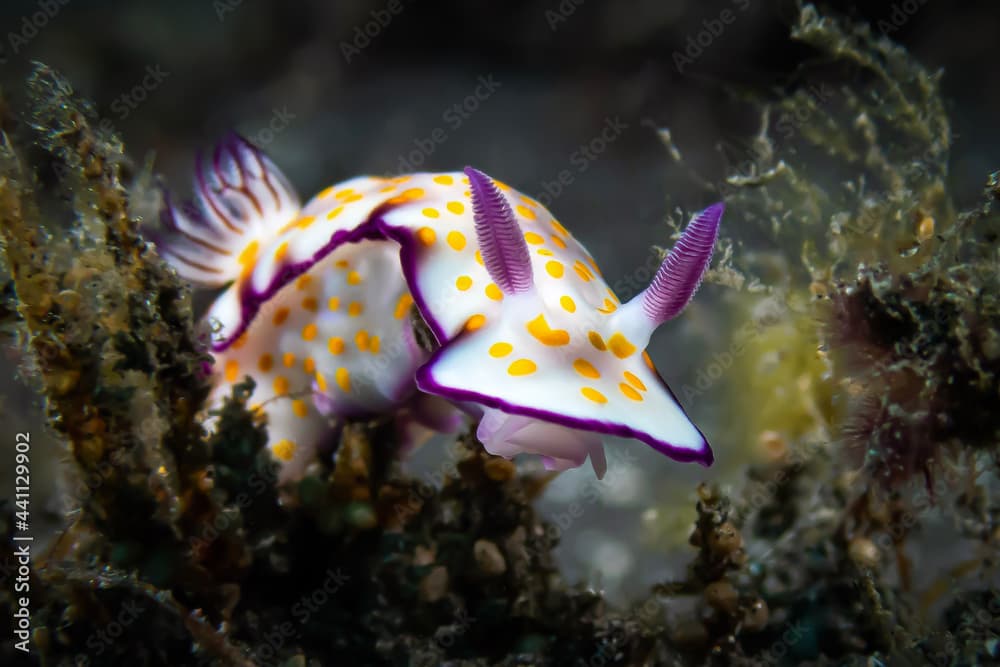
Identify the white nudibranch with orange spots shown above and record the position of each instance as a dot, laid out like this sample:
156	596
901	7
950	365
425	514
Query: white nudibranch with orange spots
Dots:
530	340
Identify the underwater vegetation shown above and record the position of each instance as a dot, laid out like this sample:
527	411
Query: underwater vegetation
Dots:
879	349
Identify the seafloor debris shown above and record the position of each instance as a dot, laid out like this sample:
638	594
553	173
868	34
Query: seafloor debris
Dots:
180	550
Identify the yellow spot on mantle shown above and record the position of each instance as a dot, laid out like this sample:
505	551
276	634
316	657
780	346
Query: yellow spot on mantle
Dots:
630	392
649	362
280	385
444	179
456	207
426	235
456	240
249	254
463	283
309	303
533	238
620	346
522	367
280	316
593	395
501	349
335	345
567	303
540	329
288	359
343	378
586	369
403	306
475	322
493	292
232	370
362	340
353	277
554	268
526	212
431	213
299	408
283	450
265	363
635	381
596	340
355	308
333	303
309	331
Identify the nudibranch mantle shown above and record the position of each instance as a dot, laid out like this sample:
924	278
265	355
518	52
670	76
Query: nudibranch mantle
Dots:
529	337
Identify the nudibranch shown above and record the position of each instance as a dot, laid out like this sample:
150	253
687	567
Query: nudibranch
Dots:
325	303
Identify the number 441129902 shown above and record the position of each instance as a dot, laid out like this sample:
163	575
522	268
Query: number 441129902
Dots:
22	479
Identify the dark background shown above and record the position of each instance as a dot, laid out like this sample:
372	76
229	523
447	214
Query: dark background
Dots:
278	72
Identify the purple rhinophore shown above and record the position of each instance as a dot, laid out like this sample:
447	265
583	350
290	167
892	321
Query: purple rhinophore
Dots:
681	272
501	243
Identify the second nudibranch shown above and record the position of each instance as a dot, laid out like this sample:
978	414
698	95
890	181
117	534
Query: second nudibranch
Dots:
326	301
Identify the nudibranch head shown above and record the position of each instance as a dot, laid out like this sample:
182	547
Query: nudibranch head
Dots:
565	360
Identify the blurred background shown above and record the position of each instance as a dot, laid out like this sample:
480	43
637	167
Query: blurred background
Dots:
559	98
